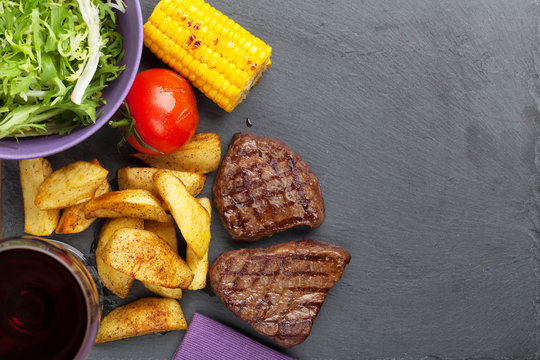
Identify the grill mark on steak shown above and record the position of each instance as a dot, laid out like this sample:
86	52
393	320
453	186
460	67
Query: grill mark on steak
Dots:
303	201
263	187
239	274
276	272
279	290
294	257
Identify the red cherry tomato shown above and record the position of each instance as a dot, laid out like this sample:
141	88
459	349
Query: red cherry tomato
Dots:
165	110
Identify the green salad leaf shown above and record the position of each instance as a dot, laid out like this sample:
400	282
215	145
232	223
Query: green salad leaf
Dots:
56	57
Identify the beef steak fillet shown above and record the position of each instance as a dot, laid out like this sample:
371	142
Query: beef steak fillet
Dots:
280	290
263	187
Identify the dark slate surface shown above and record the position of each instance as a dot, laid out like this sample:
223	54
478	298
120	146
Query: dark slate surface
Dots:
420	120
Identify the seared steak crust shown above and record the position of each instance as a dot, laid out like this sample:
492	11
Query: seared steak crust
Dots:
263	187
279	290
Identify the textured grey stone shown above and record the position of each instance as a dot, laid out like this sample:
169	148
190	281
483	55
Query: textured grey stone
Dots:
420	120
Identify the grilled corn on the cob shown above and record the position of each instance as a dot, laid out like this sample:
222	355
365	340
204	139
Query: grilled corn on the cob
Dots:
219	57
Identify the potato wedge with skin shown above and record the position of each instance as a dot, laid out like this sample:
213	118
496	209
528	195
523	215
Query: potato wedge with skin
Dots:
190	216
146	257
141	178
141	317
164	292
117	282
32	172
199	265
199	155
167	232
73	219
135	203
73	184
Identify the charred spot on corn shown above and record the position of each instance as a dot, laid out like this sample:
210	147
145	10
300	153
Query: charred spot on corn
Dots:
219	57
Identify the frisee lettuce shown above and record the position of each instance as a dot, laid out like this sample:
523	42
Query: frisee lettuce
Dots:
56	57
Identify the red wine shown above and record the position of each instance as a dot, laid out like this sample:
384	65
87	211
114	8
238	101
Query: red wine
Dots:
43	312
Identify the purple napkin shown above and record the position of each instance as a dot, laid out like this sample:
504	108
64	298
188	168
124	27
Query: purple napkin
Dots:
207	339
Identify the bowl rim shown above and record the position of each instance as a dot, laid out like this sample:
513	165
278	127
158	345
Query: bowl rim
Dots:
87	131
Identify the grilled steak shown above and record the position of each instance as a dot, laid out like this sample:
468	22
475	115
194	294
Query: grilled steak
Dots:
263	187
280	290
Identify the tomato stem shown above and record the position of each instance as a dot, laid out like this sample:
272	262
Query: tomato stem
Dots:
119	123
127	122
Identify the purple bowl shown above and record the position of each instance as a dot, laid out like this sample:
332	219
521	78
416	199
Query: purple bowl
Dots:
131	27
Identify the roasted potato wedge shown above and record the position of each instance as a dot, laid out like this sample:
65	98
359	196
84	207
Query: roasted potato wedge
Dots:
135	203
199	155
146	257
199	265
73	219
141	317
38	222
73	184
164	230
167	232
190	216
117	282
164	292
141	178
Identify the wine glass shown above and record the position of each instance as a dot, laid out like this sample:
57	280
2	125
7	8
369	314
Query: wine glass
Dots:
49	300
